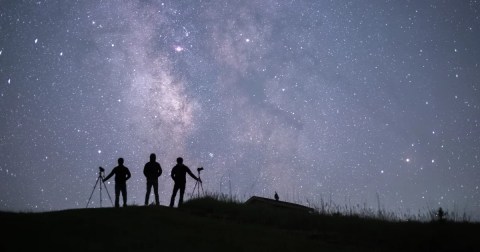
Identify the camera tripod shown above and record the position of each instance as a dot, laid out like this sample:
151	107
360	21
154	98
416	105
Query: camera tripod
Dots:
198	184
100	177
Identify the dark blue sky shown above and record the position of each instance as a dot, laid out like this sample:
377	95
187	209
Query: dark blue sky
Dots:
313	99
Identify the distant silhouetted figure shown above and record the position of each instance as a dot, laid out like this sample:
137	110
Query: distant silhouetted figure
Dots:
122	174
276	196
179	174
152	171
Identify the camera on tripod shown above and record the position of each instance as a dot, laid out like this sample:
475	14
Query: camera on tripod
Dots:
101	171
198	184
101	175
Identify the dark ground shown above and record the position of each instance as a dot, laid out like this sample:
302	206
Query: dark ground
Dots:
209	224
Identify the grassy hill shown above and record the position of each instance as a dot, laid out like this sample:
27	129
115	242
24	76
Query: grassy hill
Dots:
213	225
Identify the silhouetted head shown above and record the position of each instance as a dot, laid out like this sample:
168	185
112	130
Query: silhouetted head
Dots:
152	157
120	161
179	160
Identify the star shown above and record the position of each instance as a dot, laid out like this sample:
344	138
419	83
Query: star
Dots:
302	95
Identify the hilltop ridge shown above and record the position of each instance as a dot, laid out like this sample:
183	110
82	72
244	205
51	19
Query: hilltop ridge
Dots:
212	224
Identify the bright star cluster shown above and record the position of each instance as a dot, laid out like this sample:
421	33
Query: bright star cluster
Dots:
362	102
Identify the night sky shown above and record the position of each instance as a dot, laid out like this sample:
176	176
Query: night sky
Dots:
369	102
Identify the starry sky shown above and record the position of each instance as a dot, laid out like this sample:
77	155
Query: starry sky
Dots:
368	102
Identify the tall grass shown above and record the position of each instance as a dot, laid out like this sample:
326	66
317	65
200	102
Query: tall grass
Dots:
331	208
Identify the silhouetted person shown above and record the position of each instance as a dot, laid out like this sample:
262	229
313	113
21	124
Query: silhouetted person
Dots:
122	174
276	196
179	174
152	171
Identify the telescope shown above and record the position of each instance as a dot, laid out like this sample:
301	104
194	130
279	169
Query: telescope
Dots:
199	169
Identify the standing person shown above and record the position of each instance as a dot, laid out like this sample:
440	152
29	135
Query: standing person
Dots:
122	174
152	171
179	174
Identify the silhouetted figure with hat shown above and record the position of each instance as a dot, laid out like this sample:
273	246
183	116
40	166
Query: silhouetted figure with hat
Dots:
152	171
276	196
122	174
179	174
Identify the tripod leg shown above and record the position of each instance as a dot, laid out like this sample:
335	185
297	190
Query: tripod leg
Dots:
198	189
200	185
107	192
88	202
193	192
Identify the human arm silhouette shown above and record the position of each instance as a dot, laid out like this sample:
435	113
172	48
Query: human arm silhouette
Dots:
192	175
145	170
129	175
159	172
173	174
109	175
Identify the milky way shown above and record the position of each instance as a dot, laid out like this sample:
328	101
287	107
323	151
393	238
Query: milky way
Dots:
361	102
